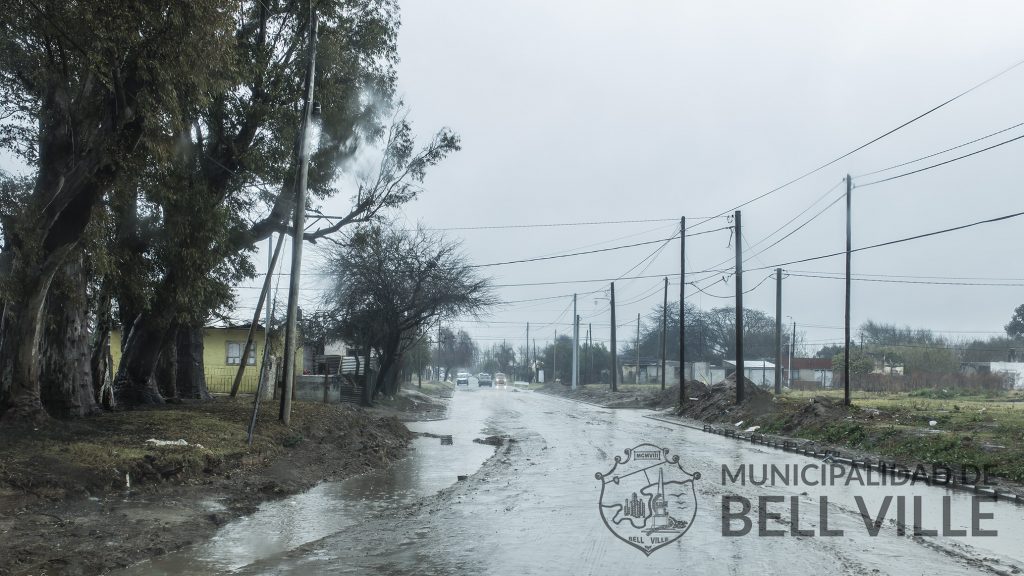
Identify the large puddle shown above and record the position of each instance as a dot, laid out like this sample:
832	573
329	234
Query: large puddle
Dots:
333	506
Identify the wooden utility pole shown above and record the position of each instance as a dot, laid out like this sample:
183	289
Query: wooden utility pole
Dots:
682	310
738	238
575	344
590	352
554	369
664	333
250	339
291	329
437	367
529	369
614	349
778	331
846	342
637	378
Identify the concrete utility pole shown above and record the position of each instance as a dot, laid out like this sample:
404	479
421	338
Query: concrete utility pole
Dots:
291	329
846	342
575	344
792	345
682	310
529	369
738	228
637	378
614	348
554	369
778	331
590	337
664	333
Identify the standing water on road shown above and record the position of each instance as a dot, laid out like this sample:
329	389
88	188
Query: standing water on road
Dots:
282	525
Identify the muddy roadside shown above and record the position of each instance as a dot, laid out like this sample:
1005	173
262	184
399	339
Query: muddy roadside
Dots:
90	496
911	431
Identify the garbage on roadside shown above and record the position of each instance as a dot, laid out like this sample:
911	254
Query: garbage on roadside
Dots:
178	442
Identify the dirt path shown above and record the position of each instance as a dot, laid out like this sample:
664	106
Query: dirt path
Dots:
66	506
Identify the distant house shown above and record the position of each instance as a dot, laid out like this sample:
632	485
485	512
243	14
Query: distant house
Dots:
807	370
760	372
649	371
705	372
222	354
1013	371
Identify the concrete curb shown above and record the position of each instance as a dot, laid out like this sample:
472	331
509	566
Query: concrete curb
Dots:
880	466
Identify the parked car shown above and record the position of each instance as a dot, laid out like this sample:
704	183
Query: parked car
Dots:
462	379
500	380
483	379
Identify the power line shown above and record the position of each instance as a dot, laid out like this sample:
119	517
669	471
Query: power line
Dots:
522	226
968	143
869	142
898	241
919	282
798	228
943	163
540	258
702	291
585	252
912	276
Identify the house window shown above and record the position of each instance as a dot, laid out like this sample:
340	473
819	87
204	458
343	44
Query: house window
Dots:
234	354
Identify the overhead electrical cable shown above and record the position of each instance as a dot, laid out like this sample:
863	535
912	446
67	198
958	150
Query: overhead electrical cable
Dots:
869	142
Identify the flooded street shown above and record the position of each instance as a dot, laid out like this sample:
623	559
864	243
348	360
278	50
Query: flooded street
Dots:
533	509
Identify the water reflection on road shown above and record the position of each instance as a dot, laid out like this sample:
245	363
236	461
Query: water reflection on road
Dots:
330	507
533	509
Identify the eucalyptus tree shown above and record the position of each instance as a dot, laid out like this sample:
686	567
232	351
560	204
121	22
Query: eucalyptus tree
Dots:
89	92
232	183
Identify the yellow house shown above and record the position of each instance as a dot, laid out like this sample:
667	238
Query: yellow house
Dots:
222	353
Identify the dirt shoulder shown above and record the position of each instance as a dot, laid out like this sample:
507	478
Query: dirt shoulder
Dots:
70	489
428	401
929	427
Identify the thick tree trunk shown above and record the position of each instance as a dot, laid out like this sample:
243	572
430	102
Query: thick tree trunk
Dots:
21	347
98	361
166	372
65	378
134	383
191	379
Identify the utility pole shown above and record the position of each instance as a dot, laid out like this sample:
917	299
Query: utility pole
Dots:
291	329
664	333
437	361
529	369
264	375
682	310
846	343
554	369
738	228
792	345
590	353
778	331
637	348
251	337
575	344
614	348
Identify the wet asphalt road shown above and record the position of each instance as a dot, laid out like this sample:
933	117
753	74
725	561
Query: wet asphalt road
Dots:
533	508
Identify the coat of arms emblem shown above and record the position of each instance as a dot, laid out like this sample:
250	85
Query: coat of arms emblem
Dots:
647	499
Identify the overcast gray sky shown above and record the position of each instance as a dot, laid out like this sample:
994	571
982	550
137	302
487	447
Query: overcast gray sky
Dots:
574	111
599	110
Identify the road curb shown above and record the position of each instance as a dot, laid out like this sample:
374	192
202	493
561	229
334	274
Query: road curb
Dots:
881	466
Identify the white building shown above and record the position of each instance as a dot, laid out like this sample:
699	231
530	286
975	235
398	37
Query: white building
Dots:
760	372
